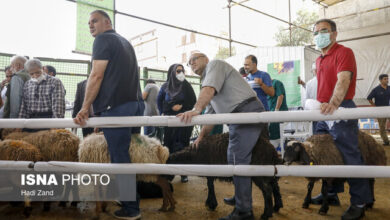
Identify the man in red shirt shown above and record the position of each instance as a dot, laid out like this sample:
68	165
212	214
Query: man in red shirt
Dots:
336	73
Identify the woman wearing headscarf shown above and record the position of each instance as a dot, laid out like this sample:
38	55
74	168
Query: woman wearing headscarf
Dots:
176	96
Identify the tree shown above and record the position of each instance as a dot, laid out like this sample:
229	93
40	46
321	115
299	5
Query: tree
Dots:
299	37
223	53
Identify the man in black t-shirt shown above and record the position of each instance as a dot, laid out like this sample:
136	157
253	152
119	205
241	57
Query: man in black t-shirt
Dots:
114	90
381	94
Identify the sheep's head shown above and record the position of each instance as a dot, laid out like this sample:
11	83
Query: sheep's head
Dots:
293	152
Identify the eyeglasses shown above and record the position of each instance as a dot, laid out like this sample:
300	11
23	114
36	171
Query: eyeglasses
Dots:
180	71
322	31
193	59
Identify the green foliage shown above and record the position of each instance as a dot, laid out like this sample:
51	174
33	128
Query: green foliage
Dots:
223	53
299	37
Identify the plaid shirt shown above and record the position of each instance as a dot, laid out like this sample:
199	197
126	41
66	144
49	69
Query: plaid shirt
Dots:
47	96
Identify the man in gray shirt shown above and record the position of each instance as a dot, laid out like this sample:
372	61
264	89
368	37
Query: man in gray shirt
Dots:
225	91
150	97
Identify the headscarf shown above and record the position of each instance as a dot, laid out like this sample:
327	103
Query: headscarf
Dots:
175	87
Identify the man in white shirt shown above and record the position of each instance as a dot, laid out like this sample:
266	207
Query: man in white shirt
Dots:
311	85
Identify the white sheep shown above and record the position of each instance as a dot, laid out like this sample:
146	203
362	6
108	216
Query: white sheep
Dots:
93	149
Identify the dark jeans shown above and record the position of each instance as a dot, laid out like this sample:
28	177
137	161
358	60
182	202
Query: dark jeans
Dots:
38	115
345	136
87	131
118	141
177	138
148	130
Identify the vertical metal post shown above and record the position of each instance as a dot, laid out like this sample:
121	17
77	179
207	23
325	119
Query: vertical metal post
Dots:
230	28
145	75
324	12
289	20
114	14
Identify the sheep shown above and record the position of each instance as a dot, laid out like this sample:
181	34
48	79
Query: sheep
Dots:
213	150
54	145
93	149
320	149
20	151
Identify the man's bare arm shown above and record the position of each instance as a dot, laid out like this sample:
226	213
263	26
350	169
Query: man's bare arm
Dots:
269	90
145	95
339	92
93	87
205	96
279	102
94	82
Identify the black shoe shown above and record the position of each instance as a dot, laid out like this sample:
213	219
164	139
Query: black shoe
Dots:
386	143
184	179
237	215
122	214
353	213
333	200
230	201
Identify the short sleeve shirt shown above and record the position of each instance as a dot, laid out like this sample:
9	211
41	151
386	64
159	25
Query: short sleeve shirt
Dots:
121	78
255	86
151	101
279	90
336	60
231	89
381	96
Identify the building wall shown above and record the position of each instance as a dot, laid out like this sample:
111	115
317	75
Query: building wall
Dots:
356	18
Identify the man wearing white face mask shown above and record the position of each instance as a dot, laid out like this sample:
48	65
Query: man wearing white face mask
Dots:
336	74
43	95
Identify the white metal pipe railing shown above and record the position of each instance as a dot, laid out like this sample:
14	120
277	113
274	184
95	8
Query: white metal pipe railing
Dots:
206	170
230	118
16	165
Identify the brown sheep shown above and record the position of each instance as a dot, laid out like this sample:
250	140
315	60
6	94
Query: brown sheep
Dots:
19	151
54	145
93	149
320	149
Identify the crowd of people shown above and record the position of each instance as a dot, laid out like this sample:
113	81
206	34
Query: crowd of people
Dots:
32	90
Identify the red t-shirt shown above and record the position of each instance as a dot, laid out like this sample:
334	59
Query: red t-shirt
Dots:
337	59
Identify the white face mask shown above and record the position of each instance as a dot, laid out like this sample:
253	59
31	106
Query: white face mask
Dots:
181	77
38	79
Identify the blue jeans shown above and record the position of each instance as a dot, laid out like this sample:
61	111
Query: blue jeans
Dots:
118	141
148	130
345	136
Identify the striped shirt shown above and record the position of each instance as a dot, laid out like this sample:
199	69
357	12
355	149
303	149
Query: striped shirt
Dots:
46	96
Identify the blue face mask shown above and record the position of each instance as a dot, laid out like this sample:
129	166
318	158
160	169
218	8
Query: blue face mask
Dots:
322	40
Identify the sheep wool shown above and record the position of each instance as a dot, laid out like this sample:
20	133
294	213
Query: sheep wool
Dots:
19	150
57	145
93	149
317	146
322	144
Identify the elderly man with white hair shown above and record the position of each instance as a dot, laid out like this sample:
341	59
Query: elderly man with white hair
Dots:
15	88
43	95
